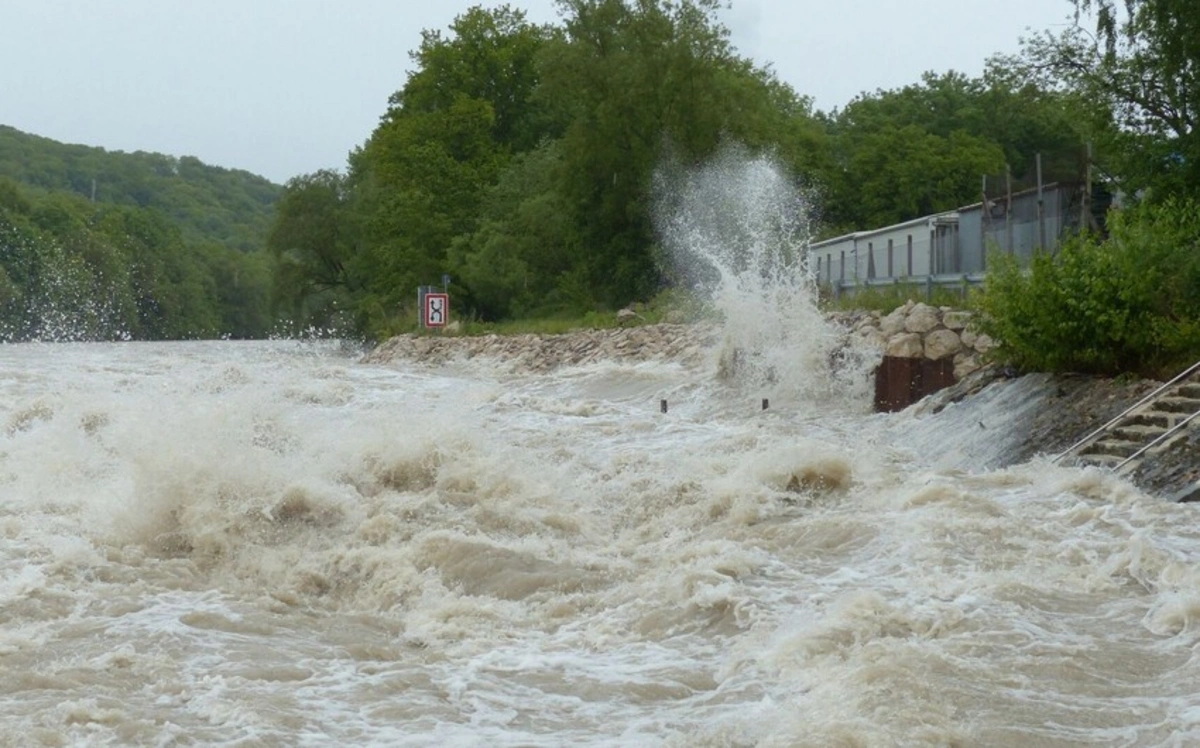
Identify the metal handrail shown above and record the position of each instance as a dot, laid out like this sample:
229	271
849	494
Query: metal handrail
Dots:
1161	437
1190	370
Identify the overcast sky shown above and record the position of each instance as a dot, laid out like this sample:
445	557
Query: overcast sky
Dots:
286	87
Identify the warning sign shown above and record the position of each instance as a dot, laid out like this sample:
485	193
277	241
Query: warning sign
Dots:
437	309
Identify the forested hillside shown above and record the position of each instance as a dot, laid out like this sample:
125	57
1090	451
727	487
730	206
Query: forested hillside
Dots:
71	269
208	203
99	245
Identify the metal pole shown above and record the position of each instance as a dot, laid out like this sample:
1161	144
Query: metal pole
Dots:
1008	208
1041	206
985	217
1086	218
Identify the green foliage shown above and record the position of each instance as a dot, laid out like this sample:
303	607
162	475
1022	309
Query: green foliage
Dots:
312	240
1137	78
1127	303
75	270
921	149
208	203
519	160
515	263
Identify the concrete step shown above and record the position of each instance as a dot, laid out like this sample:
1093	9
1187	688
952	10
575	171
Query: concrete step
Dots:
1110	446
1101	460
1140	433
1175	404
1189	389
1162	421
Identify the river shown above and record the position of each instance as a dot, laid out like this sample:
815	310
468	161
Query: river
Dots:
237	544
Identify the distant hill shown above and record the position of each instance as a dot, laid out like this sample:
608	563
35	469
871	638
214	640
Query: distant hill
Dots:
209	204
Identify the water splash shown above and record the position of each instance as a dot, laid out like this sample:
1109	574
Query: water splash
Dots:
61	299
736	230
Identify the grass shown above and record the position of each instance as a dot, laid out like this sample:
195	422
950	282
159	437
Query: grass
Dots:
886	299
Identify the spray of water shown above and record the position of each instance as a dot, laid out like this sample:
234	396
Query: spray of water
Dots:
735	230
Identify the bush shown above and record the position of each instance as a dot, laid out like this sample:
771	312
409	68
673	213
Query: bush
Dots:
1130	303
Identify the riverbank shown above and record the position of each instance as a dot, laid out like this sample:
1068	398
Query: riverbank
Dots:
1049	412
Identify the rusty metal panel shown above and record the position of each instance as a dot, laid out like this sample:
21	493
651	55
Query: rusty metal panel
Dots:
900	382
894	381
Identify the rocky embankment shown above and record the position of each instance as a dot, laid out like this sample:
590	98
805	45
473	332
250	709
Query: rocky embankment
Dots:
912	331
918	330
688	344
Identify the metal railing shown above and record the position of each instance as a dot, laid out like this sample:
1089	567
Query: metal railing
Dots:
957	281
1184	375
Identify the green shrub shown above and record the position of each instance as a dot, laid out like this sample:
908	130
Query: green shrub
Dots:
1127	303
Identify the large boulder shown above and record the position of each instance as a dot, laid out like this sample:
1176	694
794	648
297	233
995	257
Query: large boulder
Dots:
906	345
940	344
893	323
956	320
922	319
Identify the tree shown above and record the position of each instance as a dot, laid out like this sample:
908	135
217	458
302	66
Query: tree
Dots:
644	80
311	241
421	177
1140	74
515	263
490	56
922	148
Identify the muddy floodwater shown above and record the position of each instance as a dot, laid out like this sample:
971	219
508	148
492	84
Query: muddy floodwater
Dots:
274	544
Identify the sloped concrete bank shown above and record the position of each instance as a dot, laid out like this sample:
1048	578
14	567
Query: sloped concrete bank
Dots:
992	420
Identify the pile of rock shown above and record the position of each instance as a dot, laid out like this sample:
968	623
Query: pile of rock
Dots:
912	331
918	330
686	344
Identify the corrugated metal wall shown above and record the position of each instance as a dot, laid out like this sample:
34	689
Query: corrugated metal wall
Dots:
950	243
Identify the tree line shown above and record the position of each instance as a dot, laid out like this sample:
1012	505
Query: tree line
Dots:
518	158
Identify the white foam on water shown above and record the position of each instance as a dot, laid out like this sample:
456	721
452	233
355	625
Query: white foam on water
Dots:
234	542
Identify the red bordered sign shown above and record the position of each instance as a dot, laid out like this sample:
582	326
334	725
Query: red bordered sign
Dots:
437	309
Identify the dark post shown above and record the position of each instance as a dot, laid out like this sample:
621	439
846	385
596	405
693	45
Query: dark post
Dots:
1041	207
1008	227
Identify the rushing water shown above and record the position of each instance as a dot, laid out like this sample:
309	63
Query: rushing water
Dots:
248	544
271	544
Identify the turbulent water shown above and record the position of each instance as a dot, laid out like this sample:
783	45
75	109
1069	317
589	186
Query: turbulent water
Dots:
270	544
243	544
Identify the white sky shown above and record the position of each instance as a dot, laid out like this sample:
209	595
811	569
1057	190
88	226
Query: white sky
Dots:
286	87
